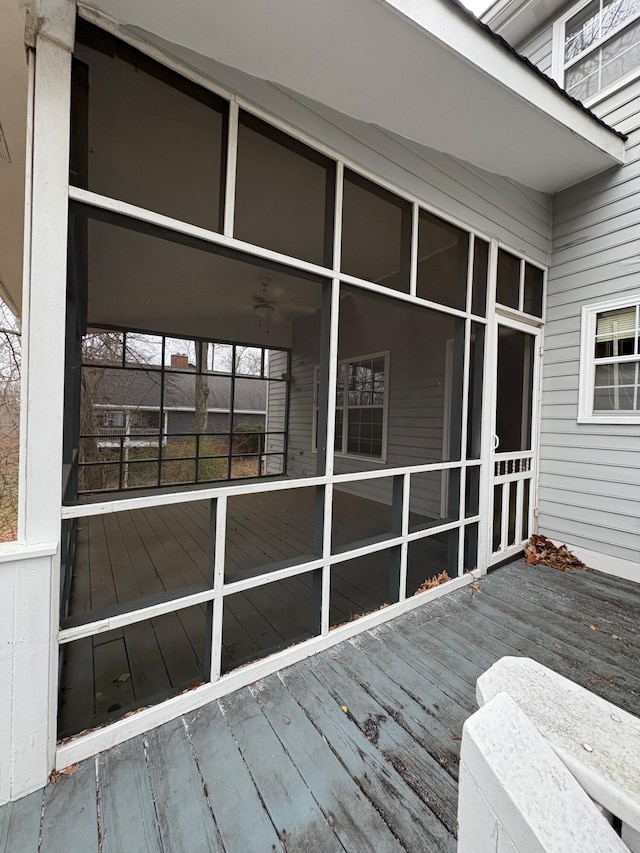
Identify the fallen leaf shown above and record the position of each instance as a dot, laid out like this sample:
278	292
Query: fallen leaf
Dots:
539	549
70	770
443	577
593	627
615	636
344	708
475	587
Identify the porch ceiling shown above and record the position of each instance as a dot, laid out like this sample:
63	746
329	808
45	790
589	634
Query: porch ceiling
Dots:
424	69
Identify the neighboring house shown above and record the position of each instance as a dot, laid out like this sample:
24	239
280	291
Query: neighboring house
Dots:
388	205
125	406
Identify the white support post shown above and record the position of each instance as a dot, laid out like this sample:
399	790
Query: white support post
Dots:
32	713
488	415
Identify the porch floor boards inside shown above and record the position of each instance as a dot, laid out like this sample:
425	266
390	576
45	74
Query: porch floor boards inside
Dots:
354	749
131	556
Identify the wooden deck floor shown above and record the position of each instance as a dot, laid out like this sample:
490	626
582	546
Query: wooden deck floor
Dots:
282	765
127	557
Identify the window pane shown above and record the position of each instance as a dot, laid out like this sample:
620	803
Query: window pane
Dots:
361	512
443	256
508	287
480	268
376	233
533	289
284	193
617	387
362	585
422	388
142	350
365	431
617	333
620	55
103	346
514	391
582	30
268	530
476	371
615	12
430	557
261	621
153	138
102	678
434	498
180	353
122	559
470	547
583	79
472	492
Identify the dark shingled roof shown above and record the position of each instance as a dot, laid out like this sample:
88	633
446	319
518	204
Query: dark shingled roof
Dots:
142	388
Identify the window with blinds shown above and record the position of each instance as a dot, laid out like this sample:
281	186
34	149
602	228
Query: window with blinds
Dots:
616	350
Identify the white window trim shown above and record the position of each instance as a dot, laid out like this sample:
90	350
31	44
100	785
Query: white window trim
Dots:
558	65
587	362
385	409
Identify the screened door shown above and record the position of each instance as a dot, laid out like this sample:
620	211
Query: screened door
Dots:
514	437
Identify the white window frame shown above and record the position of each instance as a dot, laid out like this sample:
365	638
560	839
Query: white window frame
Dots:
559	66
588	363
345	420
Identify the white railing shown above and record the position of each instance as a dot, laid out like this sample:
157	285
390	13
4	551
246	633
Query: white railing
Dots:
547	766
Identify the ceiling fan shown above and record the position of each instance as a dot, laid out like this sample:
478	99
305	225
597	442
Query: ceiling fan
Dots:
263	305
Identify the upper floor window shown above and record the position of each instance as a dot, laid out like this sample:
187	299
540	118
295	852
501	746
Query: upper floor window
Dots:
610	362
597	44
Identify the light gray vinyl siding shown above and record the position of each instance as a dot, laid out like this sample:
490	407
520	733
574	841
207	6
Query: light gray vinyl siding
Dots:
589	490
496	206
276	418
538	49
416	405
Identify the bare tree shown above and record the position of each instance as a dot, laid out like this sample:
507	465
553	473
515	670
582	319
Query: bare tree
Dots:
202	388
10	353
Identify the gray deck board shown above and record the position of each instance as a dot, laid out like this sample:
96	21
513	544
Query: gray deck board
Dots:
184	817
295	813
20	824
332	787
417	767
127	810
417	828
281	765
426	719
70	819
242	821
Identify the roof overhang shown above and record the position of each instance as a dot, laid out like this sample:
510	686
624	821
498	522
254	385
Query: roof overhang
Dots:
515	20
423	69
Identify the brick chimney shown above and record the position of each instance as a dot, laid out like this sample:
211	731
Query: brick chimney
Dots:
179	360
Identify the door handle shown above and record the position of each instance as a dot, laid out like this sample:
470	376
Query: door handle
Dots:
496	442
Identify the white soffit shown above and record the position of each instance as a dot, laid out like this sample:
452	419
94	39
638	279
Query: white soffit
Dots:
420	68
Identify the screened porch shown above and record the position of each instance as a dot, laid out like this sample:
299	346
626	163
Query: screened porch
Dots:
276	413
